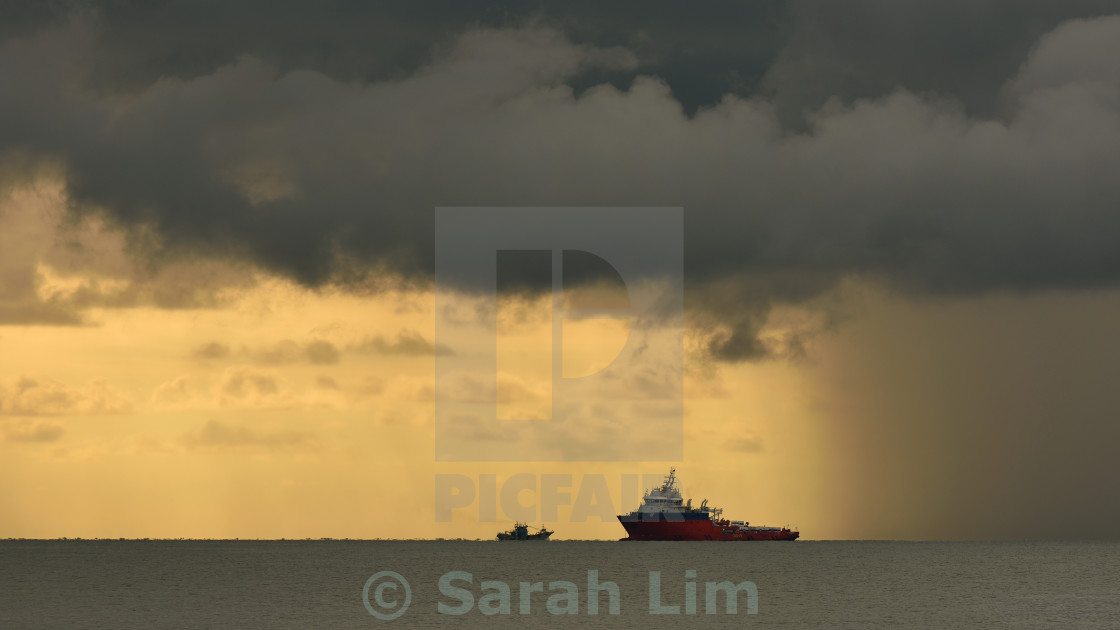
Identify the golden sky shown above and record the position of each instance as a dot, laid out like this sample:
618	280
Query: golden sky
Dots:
253	407
259	408
218	263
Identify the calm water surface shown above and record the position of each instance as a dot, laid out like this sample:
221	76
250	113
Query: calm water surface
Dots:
319	584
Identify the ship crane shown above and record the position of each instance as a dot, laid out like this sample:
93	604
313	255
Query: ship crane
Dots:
714	511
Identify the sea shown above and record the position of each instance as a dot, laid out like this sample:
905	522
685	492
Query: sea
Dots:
279	584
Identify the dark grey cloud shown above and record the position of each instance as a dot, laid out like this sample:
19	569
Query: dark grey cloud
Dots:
702	54
953	149
954	49
806	51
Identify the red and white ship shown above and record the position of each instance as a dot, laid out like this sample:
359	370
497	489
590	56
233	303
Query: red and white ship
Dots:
664	515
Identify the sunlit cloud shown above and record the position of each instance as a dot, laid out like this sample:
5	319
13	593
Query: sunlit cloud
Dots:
28	396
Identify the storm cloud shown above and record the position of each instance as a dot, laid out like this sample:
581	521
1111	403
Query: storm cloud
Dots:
948	149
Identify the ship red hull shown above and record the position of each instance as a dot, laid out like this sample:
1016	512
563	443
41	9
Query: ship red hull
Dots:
696	529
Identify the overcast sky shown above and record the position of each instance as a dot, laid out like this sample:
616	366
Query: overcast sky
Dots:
949	147
945	157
